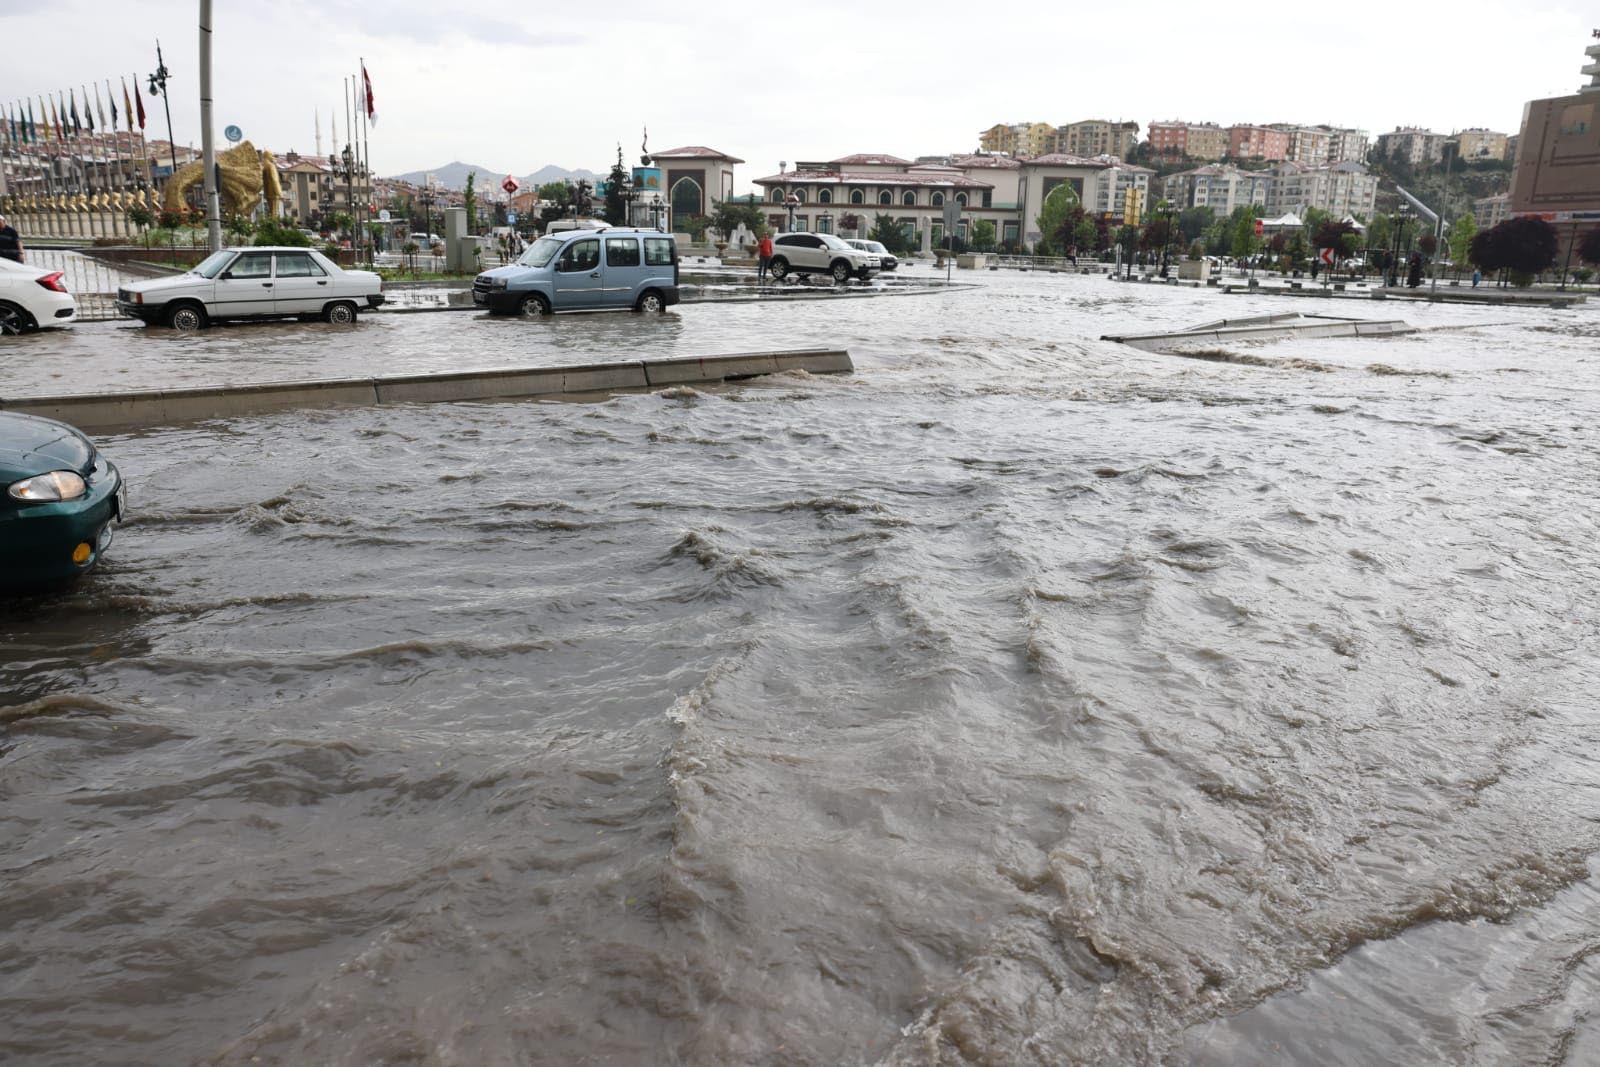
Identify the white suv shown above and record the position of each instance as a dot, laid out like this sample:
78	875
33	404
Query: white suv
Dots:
821	253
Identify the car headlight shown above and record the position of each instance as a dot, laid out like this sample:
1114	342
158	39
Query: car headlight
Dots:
57	485
497	283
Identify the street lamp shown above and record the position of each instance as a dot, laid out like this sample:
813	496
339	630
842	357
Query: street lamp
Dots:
1402	215
426	197
158	87
656	219
627	198
1166	244
343	166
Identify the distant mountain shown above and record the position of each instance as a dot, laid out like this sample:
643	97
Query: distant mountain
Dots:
553	173
454	176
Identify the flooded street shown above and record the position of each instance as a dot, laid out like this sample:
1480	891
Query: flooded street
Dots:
1021	698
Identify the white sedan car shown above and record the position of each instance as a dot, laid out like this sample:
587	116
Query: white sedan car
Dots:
253	283
32	298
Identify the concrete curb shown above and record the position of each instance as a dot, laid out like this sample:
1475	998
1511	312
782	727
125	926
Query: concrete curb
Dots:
94	412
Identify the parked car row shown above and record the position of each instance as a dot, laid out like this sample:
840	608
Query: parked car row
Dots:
253	283
805	254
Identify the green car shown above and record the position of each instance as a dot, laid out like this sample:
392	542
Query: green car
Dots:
61	496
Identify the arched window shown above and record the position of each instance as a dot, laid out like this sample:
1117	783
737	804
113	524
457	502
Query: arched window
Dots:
800	195
961	198
777	196
824	196
686	198
886	197
857	197
909	199
937	200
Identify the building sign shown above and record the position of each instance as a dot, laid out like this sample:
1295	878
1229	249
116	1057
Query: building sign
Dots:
647	179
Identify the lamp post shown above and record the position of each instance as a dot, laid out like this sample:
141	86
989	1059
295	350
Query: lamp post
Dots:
627	200
1166	244
656	219
1401	215
343	166
158	87
426	197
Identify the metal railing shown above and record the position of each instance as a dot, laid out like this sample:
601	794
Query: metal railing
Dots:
93	284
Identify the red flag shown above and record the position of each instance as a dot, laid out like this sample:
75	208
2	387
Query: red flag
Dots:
366	88
138	99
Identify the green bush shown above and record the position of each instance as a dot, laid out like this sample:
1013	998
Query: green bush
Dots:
273	232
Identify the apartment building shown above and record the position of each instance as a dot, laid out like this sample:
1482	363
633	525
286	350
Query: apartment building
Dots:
1097	137
1258	142
1490	211
1557	172
1196	140
1111	192
1019	139
1477	145
1347	146
1220	188
1339	189
1407	144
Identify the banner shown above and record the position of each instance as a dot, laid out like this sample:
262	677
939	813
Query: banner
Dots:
647	179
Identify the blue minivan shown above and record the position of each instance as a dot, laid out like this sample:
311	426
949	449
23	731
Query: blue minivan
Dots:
585	270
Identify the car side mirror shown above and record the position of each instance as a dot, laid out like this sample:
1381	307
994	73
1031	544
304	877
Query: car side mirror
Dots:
227	274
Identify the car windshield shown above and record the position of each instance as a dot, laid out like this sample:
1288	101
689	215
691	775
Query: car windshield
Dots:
874	246
540	252
212	265
833	242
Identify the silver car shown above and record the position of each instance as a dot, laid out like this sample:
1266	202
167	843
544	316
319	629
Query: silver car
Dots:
253	283
885	257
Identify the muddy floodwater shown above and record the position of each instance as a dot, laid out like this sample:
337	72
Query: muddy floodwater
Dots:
1019	699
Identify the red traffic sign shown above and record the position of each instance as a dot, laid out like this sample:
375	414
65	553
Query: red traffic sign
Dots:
1260	228
510	185
1326	255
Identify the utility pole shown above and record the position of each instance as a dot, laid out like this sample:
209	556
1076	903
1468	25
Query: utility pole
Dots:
208	145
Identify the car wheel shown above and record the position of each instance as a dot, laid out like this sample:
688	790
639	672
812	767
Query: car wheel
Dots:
650	302
187	317
840	271
778	268
340	314
15	320
533	306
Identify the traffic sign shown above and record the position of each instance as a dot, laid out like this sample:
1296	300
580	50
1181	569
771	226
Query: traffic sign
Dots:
511	218
232	133
1260	227
511	185
1326	255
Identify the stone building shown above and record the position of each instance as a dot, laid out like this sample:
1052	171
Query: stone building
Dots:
1195	140
1220	188
1340	189
1418	148
1097	137
1557	172
696	179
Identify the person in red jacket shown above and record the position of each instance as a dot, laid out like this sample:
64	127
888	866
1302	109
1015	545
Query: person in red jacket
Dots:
763	258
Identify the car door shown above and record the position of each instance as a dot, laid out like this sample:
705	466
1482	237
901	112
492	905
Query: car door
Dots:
299	284
624	270
578	277
245	288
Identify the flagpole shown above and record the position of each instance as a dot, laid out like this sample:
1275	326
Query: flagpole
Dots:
366	112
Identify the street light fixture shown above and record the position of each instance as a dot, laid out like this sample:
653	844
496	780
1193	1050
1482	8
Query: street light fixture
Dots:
426	196
1402	215
343	166
158	87
656	218
1166	244
627	198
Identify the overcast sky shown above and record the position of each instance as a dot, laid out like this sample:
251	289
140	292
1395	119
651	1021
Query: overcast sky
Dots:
515	86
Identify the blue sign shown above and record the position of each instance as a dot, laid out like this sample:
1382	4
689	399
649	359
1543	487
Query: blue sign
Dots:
233	133
511	218
647	179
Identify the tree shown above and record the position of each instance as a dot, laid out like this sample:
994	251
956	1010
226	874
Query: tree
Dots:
616	209
555	191
1244	235
1462	231
1192	222
1524	246
731	214
277	232
1060	201
469	200
888	233
238	227
983	236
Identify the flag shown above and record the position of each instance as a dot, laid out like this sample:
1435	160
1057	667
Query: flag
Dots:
55	120
88	112
111	96
138	100
98	106
33	125
366	89
127	104
77	126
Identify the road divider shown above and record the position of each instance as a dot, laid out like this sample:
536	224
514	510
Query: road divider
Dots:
138	409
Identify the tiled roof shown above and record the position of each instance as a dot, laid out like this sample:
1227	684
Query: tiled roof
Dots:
1061	159
870	159
987	163
694	151
956	181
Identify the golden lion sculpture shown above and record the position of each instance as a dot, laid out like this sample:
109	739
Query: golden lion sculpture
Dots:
248	177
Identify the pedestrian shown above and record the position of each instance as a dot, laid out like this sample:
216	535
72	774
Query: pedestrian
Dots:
10	242
763	258
1477	276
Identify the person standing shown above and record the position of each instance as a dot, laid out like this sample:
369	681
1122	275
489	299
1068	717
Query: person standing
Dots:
10	242
763	258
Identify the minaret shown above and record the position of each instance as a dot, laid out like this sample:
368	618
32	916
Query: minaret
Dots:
319	132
